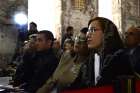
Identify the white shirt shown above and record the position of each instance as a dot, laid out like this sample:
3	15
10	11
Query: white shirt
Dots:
96	66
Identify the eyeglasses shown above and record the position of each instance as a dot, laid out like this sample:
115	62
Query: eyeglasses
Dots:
93	30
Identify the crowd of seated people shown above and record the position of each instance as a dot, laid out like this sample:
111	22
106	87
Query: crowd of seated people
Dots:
95	57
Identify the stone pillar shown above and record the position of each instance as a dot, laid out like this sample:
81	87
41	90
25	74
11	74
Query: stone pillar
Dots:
117	13
77	18
130	13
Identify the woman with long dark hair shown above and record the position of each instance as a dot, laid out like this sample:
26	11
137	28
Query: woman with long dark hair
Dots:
105	64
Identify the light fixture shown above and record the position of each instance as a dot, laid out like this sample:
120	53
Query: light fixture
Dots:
20	18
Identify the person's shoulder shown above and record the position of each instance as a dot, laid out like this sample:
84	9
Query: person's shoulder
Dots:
52	58
120	51
138	48
112	58
136	52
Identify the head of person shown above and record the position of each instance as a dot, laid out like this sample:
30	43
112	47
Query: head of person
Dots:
84	30
80	45
25	47
69	31
68	45
103	35
132	37
33	26
32	41
56	44
44	40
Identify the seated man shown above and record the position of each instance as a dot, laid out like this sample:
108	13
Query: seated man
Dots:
132	42
42	64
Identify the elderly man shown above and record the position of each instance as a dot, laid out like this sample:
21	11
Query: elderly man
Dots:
132	37
132	42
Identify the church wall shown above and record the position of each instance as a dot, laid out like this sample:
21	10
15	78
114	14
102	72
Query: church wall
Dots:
78	18
8	30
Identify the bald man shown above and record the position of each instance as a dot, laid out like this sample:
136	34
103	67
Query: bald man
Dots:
132	42
132	37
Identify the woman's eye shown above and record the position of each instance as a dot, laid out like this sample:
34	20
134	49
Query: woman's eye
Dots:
91	30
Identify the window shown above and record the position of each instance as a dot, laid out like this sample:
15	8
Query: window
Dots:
78	4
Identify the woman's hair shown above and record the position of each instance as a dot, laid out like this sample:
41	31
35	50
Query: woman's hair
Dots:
112	41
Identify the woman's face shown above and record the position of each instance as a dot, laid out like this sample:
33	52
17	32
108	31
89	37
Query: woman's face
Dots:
95	35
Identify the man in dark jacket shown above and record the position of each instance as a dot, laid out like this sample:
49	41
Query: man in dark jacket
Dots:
44	62
132	42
